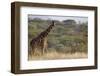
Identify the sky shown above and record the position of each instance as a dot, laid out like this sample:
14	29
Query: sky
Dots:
60	18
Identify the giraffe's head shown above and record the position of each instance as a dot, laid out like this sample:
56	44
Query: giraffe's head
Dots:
51	26
52	23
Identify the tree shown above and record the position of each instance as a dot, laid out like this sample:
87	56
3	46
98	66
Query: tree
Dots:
69	22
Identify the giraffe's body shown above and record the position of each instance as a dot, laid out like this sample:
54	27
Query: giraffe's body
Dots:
40	42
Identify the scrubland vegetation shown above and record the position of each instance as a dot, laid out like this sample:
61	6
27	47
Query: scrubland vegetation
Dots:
67	40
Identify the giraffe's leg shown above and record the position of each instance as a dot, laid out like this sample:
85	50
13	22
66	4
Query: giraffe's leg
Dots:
46	50
34	51
42	50
41	47
30	52
44	45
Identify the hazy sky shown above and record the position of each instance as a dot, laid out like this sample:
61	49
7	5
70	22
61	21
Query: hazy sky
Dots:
60	18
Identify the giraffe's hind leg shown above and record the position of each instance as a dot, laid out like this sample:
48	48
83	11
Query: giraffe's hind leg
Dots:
32	52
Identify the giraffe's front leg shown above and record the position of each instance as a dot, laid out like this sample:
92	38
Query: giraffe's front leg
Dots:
46	45
44	48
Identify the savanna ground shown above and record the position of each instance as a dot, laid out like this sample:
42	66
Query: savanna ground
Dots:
56	55
67	40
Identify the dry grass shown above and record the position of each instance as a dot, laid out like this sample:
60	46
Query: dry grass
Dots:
56	55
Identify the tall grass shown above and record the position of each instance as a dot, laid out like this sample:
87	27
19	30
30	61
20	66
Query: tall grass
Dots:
56	55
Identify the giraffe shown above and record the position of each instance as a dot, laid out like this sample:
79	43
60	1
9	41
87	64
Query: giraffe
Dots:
39	43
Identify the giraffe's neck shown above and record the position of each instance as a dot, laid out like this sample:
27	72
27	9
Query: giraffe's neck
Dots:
47	31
